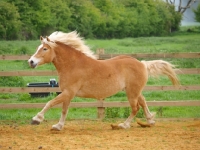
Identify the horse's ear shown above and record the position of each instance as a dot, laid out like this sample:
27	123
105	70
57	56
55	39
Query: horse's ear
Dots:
41	38
48	39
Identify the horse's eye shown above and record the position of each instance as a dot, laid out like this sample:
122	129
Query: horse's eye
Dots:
44	49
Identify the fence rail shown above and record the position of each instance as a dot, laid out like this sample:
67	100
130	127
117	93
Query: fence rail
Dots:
101	105
56	89
14	57
36	73
107	56
156	55
54	73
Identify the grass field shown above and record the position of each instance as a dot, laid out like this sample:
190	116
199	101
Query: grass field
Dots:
177	42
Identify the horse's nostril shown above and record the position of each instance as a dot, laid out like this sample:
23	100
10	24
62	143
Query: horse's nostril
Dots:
31	62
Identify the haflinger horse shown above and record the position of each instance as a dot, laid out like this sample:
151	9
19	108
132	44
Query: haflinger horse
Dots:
81	74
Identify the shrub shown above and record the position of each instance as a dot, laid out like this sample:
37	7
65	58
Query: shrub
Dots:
121	113
112	113
22	50
24	97
6	49
12	81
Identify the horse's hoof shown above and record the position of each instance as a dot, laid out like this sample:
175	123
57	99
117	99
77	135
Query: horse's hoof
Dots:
35	122
124	125
55	129
143	124
114	127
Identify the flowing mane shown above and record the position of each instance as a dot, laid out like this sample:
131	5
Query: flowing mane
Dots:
71	39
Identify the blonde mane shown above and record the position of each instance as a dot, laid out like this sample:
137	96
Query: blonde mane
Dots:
71	39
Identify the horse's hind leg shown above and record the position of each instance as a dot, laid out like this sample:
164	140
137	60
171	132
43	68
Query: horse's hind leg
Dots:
147	113
135	107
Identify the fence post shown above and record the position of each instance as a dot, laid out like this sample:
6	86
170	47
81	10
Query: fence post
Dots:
101	110
99	52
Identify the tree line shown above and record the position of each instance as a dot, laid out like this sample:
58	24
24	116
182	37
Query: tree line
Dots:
27	20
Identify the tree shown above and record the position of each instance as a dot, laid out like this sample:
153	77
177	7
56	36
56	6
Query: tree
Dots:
34	15
85	18
181	8
179	12
112	15
9	21
29	19
197	13
59	17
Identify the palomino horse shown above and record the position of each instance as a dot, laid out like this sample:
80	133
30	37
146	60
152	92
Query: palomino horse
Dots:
81	74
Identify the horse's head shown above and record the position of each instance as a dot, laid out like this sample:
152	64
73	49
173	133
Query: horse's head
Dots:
44	54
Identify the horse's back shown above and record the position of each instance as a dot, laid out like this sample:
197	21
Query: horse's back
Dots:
127	64
121	57
132	70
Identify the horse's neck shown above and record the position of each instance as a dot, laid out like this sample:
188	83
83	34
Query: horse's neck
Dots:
67	59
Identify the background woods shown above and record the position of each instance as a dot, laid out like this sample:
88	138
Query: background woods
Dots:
27	20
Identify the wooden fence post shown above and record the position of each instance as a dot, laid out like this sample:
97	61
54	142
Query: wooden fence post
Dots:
101	111
99	52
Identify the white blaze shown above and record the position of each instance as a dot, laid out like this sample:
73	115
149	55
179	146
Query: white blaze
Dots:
33	58
39	47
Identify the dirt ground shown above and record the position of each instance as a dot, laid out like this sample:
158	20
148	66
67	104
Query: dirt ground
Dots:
98	135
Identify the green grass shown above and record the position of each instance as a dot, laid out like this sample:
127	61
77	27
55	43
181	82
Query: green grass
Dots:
52	114
178	42
91	113
12	47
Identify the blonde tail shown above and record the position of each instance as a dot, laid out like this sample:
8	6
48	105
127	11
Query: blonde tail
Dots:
160	67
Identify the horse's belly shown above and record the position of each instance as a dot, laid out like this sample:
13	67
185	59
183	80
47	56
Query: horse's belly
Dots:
99	91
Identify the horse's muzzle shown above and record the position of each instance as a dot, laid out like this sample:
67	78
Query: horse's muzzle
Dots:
32	64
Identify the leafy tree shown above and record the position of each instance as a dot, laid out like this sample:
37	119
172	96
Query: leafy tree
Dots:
9	21
34	15
197	13
85	18
177	15
169	19
181	8
29	19
111	14
127	24
59	17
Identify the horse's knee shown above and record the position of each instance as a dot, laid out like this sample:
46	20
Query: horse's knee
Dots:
64	112
135	109
138	107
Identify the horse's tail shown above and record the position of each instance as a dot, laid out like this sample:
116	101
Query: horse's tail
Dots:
160	67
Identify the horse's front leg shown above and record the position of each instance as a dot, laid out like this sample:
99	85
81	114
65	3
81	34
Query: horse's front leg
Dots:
61	122
64	97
